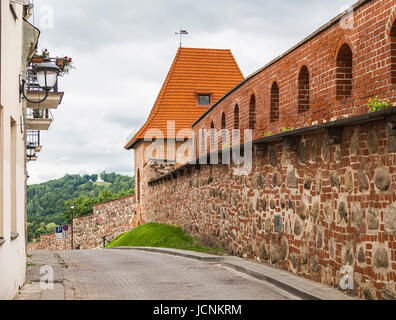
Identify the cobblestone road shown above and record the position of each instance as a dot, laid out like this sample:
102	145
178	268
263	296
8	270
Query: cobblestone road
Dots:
134	275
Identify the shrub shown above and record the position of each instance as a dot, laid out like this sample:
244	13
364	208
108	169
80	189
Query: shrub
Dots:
376	104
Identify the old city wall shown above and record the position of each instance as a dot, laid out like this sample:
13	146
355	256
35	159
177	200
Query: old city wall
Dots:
109	219
317	70
310	210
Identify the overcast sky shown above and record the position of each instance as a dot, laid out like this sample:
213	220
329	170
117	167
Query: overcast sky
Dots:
123	49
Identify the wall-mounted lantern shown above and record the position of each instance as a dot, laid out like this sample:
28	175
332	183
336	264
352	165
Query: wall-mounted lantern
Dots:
47	73
31	152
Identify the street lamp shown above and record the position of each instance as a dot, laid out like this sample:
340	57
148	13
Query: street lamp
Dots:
47	73
72	209
30	151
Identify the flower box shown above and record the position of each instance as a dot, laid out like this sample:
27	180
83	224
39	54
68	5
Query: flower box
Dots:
60	63
37	59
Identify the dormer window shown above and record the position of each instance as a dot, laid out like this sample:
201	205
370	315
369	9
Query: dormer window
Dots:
204	99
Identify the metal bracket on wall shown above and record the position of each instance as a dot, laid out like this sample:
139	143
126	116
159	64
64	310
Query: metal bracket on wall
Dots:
260	148
391	126
290	143
334	135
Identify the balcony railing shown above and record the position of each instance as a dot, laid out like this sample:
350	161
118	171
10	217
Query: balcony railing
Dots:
38	119
33	138
39	114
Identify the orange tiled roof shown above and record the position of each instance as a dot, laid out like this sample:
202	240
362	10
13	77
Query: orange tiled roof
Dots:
206	71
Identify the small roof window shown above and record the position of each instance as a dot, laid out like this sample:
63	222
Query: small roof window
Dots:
204	99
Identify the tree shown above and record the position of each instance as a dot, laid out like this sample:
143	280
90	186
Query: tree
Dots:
50	227
46	201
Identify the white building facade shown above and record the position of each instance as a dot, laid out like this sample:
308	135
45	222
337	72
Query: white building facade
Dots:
18	41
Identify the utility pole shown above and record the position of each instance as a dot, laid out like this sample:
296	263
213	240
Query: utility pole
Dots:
72	239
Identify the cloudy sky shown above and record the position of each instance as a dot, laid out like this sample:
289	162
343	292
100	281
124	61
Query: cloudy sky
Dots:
122	50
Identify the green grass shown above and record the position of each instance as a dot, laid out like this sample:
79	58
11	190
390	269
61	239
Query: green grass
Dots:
160	236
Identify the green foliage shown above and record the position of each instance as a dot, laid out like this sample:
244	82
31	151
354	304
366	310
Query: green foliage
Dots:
160	236
267	134
46	201
376	104
50	227
287	129
83	205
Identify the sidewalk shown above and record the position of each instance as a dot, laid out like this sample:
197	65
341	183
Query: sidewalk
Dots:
298	286
32	289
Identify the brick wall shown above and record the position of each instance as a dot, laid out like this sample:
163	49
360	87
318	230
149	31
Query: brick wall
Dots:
357	46
310	211
109	219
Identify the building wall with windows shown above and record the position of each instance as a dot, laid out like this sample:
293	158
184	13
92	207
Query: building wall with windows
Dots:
12	152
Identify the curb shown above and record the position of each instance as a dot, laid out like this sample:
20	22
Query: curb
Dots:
173	253
257	275
300	293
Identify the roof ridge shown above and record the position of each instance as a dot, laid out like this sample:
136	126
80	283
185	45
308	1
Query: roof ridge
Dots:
211	49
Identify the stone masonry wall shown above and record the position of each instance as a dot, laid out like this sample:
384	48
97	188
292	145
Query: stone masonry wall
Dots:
310	211
109	219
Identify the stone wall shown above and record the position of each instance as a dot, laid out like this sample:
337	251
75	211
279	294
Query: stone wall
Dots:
310	210
109	219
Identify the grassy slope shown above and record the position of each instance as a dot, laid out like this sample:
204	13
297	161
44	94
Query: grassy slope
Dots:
160	236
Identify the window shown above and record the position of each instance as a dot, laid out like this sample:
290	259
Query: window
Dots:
13	175
202	141
274	103
204	100
236	117
212	136
223	129
252	112
344	73
393	53
303	90
223	121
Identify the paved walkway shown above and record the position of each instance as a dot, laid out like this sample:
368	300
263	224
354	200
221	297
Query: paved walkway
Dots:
163	274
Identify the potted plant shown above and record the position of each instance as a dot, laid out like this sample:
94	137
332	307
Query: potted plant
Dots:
67	64
39	58
38	114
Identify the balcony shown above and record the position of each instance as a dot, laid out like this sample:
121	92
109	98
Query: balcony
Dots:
33	145
38	119
35	93
33	140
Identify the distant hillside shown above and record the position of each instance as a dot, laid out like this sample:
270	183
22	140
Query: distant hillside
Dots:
46	201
